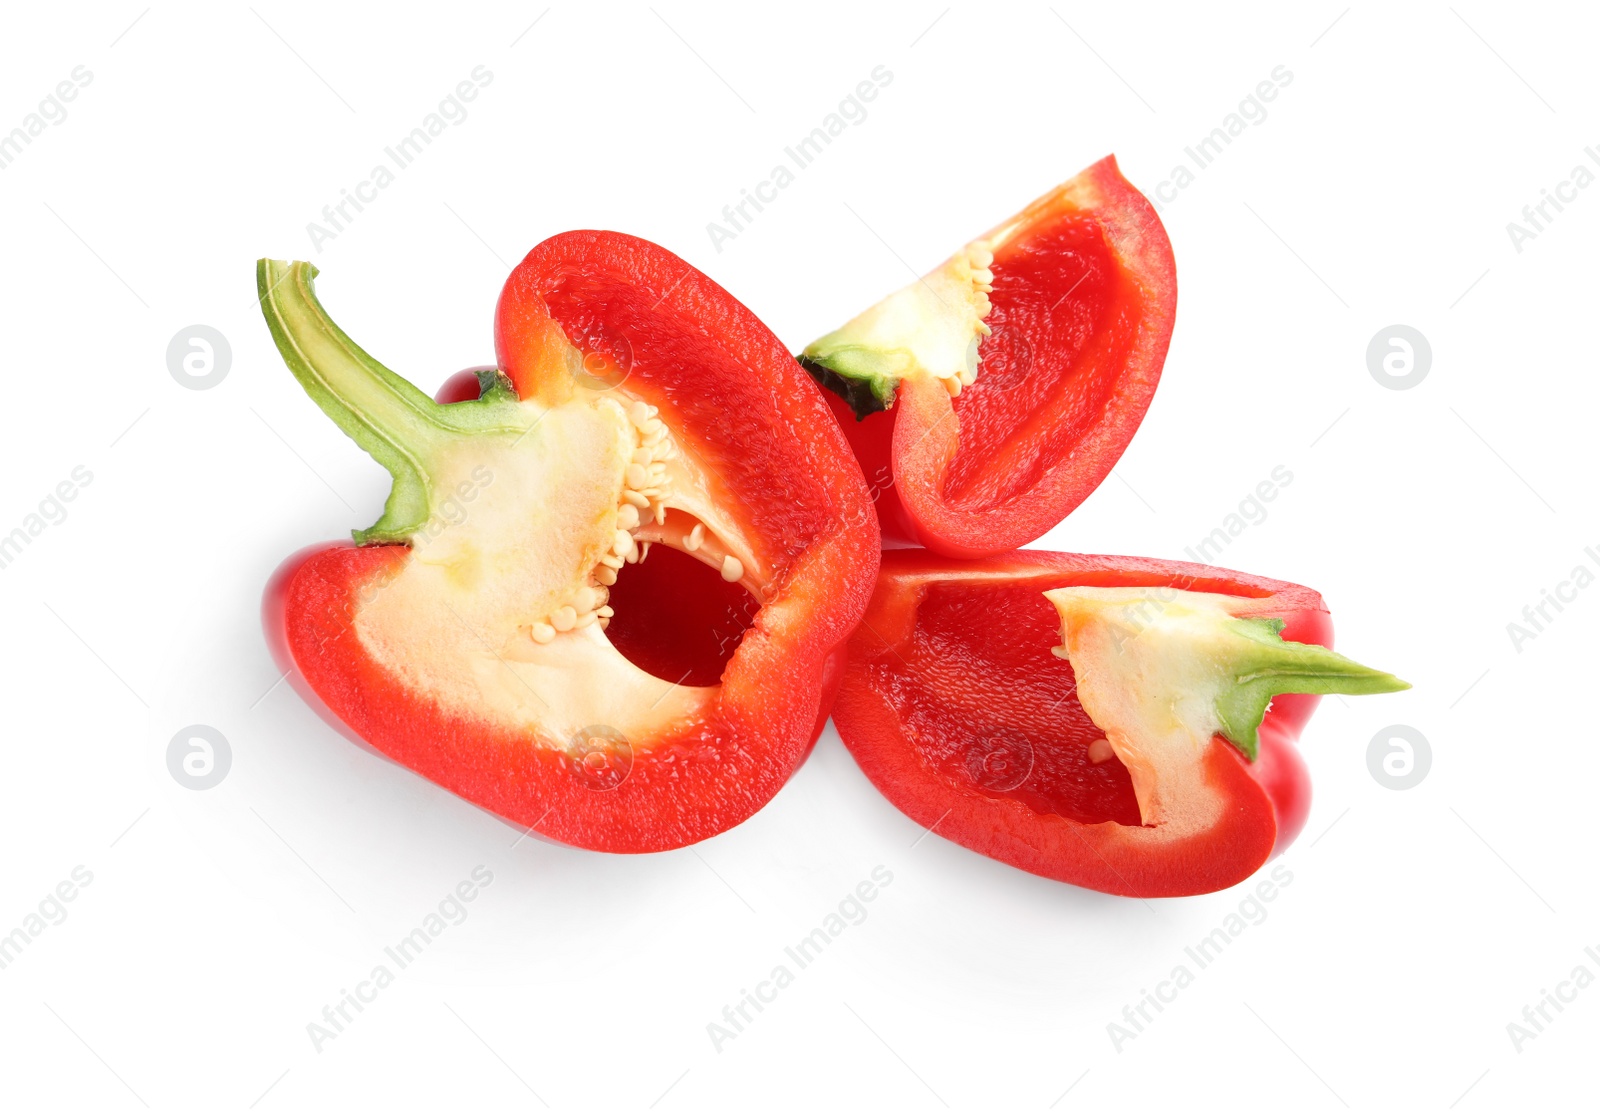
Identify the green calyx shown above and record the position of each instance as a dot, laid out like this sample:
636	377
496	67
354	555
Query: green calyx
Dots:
1263	665
861	377
401	427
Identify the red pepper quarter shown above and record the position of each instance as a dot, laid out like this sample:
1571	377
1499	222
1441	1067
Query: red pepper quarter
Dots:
610	591
1120	733
988	399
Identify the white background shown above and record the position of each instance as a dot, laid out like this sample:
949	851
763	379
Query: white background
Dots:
1418	924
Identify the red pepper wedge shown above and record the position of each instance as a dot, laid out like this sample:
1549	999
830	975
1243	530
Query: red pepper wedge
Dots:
504	629
989	398
1145	757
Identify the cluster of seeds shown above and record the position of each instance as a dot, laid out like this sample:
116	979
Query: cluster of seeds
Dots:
972	263
644	490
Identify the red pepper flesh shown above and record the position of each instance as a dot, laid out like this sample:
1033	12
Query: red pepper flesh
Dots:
1071	305
954	708
592	328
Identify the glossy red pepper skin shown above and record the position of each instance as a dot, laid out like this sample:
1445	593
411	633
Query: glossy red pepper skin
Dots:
732	393
927	662
1063	383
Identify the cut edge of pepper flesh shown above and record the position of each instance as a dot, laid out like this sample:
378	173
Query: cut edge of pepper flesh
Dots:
930	328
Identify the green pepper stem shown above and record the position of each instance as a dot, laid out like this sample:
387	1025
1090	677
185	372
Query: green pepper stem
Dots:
1267	666
384	414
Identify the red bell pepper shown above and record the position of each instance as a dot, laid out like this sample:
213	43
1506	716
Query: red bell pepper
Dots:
505	629
1108	722
990	397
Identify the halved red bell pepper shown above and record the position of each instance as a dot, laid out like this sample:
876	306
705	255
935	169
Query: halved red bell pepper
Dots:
1109	722
989	398
505	629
